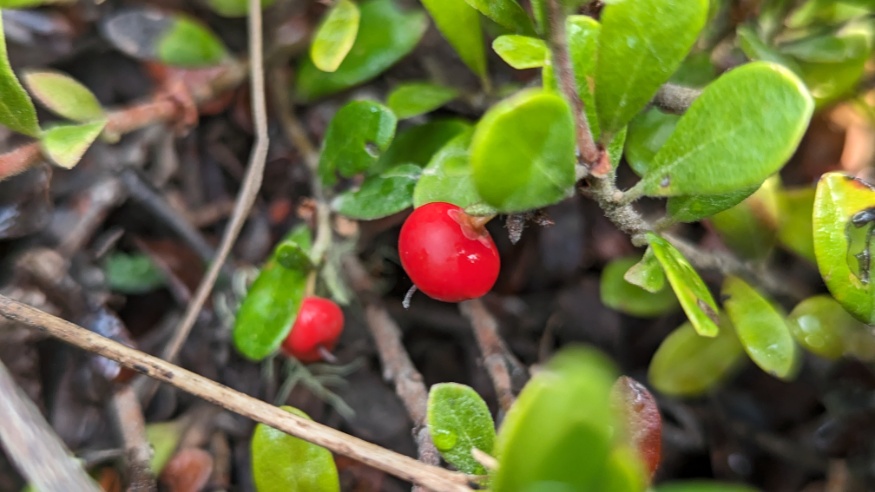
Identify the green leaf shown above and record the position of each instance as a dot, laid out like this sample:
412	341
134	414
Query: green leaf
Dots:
703	486
282	463
458	421
460	26
16	109
269	309
447	178
750	228
692	208
795	232
843	208
188	43
636	55
293	256
335	35
647	273
505	13
63	95
164	438
356	136
647	133
688	286
561	430
618	294
235	8
414	99
131	274
386	34
823	327
23	4
521	52
380	196
528	140
756	49
761	329
66	144
742	129
418	144
686	364
583	35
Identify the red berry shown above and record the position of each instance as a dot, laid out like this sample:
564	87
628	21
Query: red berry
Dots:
316	330
448	255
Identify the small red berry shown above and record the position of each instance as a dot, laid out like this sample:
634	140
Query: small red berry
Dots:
447	254
316	330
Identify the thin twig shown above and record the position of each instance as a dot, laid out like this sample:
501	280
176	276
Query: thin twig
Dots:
128	417
397	366
401	466
33	447
676	99
248	192
489	341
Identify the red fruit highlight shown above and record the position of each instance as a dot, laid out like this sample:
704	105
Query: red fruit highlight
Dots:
316	330
448	254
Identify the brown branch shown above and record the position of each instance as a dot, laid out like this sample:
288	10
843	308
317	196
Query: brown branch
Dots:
20	159
675	99
558	42
128	419
486	332
397	366
32	445
401	466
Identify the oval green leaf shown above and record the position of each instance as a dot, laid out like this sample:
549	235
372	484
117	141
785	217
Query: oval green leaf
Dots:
282	463
188	43
686	364
416	98
269	309
843	243
131	273
692	208
380	196
63	95
164	438
795	230
761	329
66	144
447	178
16	109
386	34
335	36
823	327
356	136
459	421
561	429
528	140
637	55
647	273
418	144
618	294
459	23
521	52
647	133
506	13
750	228
741	130
688	286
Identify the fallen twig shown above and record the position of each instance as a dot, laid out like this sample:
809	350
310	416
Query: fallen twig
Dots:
489	341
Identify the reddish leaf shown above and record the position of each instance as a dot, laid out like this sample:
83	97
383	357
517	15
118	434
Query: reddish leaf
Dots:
188	470
642	418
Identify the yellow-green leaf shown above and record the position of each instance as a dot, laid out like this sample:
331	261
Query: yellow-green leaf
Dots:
63	95
66	144
16	109
335	36
460	25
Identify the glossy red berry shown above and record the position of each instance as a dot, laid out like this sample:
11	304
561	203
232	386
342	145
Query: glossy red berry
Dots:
447	254
316	330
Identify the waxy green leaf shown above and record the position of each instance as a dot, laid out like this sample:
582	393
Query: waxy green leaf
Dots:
636	54
618	294
386	34
844	212
418	144
459	421
688	286
459	23
741	130
270	307
63	95
282	463
583	36
380	196
761	329
335	35
447	178
647	133
647	273
692	208
823	327
529	141
750	228
562	430
359	132
686	364
416	98
506	13
188	43
521	52
16	109
66	144
131	273
795	231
